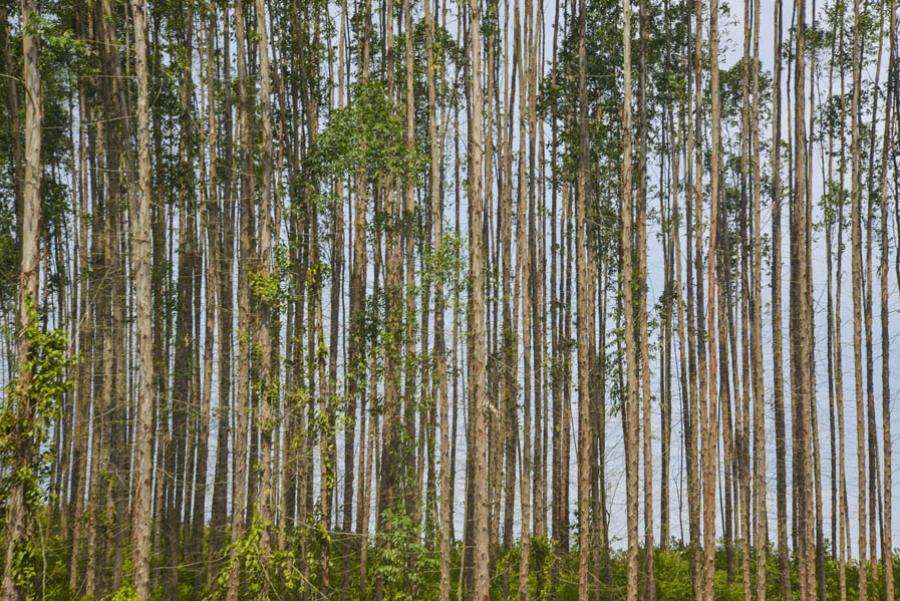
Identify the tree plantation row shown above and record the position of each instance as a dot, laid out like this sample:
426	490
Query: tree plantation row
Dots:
433	299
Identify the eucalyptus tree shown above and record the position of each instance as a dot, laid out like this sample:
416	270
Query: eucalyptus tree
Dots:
436	233
141	256
20	415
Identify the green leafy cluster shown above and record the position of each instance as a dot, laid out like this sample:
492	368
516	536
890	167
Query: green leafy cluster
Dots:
408	567
265	286
444	262
47	368
32	403
125	592
266	573
272	287
368	134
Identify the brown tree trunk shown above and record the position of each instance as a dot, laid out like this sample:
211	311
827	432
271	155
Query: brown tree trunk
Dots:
21	443
268	379
245	254
356	382
632	411
140	246
777	334
759	408
83	390
710	415
856	267
478	392
643	332
440	362
887	548
585	318
225	241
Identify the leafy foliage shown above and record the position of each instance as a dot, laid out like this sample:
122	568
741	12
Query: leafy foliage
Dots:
369	135
266	574
32	403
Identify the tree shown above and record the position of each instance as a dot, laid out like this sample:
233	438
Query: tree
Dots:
140	225
18	419
777	335
477	373
630	413
709	416
242	401
585	318
885	319
856	268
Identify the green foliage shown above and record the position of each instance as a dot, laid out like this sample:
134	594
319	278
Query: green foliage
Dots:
265	286
446	263
125	592
264	573
30	406
831	202
369	134
674	576
8	261
408	566
47	365
273	287
65	41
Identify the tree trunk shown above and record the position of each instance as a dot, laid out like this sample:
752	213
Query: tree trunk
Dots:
856	267
140	245
269	380
585	318
21	443
631	412
710	416
887	548
643	332
242	400
478	392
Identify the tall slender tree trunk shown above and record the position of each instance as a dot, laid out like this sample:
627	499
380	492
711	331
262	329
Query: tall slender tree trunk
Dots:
268	395
887	548
357	351
759	407
242	401
710	414
777	334
585	318
140	248
213	229
440	361
856	268
478	392
631	412
83	388
843	514
225	240
643	331
694	326
745	303
21	443
801	328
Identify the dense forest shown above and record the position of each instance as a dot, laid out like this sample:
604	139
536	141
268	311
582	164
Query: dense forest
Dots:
448	299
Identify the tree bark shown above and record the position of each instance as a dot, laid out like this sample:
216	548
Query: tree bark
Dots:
140	245
631	412
21	443
856	268
478	392
585	318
